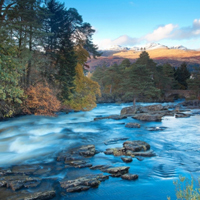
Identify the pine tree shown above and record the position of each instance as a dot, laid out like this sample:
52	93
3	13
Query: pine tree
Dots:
181	75
139	84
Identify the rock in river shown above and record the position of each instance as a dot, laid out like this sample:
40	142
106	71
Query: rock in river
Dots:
136	145
182	115
87	150
115	117
132	125
18	182
117	171
148	117
129	176
127	159
83	183
131	148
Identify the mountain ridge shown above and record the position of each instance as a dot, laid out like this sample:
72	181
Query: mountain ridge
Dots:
148	46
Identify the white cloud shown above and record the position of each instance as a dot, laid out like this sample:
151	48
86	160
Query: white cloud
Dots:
188	32
160	33
168	31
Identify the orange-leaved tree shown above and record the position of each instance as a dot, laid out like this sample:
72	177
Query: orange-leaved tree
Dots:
41	100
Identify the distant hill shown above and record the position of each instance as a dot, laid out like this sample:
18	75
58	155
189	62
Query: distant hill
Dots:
159	53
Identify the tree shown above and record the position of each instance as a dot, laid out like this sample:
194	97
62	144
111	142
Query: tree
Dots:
194	82
41	100
10	71
86	90
164	78
126	63
139	83
145	60
181	75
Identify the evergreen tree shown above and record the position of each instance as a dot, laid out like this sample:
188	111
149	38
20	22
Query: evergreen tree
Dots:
145	60
181	75
126	63
139	83
194	82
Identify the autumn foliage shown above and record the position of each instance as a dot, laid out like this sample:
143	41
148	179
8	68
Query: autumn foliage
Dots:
41	100
84	96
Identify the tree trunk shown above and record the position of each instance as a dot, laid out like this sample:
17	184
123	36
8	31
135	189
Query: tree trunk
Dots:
134	101
29	62
111	89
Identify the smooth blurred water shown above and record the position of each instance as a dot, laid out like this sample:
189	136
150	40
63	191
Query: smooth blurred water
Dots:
39	139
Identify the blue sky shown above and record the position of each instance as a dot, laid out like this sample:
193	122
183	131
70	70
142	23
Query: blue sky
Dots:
137	22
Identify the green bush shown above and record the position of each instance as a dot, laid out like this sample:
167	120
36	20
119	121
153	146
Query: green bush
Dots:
186	190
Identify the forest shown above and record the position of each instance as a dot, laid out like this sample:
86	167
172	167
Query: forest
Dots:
44	47
144	80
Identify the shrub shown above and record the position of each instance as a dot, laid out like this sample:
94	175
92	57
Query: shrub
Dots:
41	100
186	190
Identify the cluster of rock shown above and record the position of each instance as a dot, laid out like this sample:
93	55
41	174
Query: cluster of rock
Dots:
116	117
145	113
132	148
83	183
23	177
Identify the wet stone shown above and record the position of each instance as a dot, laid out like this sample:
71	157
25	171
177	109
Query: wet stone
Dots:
127	159
136	145
98	167
87	150
24	169
83	183
109	151
182	115
78	189
132	125
144	154
148	117
129	176
117	171
4	172
44	195
115	117
18	182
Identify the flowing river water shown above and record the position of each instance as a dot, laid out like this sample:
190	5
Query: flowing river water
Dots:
37	140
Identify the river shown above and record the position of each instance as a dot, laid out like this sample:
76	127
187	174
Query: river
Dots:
37	140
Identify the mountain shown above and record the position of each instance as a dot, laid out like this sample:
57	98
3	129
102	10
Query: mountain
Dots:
149	46
159	53
179	47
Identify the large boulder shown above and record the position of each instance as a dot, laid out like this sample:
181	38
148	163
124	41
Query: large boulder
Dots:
132	125
128	111
148	117
117	171
83	183
19	182
87	150
132	110
152	108
129	176
136	145
115	117
131	148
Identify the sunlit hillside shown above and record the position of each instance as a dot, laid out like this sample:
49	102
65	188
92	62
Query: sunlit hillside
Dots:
163	54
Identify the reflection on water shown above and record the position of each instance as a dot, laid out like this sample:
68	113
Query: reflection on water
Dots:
39	139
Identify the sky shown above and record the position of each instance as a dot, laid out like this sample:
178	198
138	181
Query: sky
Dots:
139	22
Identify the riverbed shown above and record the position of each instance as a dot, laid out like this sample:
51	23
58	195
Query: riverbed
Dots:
38	140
